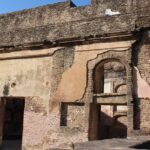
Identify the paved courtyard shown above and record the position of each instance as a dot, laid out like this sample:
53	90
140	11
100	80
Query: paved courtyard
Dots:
142	143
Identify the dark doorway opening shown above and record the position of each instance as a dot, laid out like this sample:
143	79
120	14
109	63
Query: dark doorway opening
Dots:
12	123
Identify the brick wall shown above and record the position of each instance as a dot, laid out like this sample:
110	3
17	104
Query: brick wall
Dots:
141	60
145	116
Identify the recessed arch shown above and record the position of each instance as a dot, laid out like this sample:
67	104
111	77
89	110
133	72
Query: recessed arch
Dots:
108	73
121	56
96	108
117	87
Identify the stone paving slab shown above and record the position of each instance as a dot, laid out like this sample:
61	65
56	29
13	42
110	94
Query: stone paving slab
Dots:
114	144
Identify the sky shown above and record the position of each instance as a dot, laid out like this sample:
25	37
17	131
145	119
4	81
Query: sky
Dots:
7	6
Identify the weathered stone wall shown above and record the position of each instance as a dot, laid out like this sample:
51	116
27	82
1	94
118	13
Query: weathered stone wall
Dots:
25	77
70	74
143	81
75	130
48	77
53	22
143	55
142	87
52	14
123	6
56	75
36	124
145	116
62	21
126	5
75	76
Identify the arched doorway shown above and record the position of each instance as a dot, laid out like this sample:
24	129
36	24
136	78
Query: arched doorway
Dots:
108	112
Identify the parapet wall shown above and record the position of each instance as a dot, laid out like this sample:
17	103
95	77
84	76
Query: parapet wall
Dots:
63	21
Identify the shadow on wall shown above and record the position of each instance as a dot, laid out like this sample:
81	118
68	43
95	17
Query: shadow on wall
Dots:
112	129
6	90
103	126
136	47
141	90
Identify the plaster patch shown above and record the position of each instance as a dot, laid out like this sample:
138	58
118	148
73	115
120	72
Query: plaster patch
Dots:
109	12
141	87
35	124
73	82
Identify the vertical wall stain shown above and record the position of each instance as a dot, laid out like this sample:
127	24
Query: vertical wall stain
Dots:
6	89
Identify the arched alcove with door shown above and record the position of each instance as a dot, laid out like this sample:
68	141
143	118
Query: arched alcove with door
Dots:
108	111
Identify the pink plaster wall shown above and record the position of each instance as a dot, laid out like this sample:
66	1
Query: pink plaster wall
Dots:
141	87
35	124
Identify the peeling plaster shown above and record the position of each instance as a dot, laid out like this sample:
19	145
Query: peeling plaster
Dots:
141	87
73	82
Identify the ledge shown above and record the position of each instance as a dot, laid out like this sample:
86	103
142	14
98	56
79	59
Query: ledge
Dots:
108	94
111	99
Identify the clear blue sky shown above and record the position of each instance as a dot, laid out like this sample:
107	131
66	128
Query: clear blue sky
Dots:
15	5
